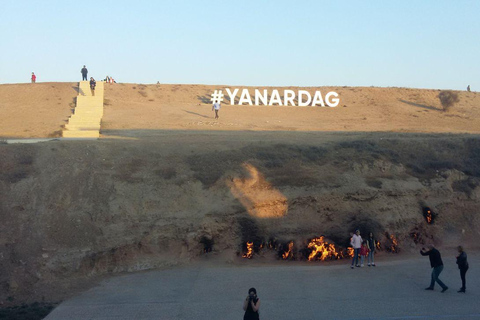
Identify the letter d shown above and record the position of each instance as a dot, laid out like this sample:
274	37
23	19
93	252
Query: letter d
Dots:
301	93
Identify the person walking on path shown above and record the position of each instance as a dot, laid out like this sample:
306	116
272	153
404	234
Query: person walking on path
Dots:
371	246
437	266
93	84
251	305
216	107
356	243
34	77
463	266
84	72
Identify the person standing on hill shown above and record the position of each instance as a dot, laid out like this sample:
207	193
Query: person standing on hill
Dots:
84	72
437	266
356	243
463	266
34	77
216	107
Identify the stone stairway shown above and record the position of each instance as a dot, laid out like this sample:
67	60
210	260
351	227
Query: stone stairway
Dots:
87	116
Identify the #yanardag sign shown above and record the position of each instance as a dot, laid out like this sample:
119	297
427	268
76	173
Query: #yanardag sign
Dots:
303	97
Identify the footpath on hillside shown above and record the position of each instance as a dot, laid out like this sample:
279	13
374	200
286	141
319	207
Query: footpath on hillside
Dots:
87	117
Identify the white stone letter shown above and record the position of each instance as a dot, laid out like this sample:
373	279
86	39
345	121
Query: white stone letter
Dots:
275	98
259	97
288	96
232	96
335	100
317	98
301	93
245	97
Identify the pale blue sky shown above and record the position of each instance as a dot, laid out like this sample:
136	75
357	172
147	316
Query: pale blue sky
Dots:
425	44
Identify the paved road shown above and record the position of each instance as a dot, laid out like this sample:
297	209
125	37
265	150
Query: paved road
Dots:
292	290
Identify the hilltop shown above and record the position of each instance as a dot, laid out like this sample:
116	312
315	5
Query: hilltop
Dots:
40	110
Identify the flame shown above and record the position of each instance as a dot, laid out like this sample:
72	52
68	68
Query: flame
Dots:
378	246
393	246
249	253
429	217
350	252
322	250
288	254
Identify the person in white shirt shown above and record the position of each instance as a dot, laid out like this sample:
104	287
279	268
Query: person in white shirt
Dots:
216	107
356	243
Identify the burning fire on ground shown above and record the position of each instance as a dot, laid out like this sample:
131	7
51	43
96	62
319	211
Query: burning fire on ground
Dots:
289	253
393	247
249	253
322	250
317	249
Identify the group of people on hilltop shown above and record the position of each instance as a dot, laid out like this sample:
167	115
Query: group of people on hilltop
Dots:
366	248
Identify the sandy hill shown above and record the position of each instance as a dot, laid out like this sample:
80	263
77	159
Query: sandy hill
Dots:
40	110
180	183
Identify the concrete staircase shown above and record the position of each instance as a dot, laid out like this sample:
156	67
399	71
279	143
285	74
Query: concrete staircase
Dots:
88	113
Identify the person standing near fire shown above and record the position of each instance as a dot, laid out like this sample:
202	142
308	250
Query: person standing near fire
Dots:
251	305
463	266
356	243
371	246
437	266
364	252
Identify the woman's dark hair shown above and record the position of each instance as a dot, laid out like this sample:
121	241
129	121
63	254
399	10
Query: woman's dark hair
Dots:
252	289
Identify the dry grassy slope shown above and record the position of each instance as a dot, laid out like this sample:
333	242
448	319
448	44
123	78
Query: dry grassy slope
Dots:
35	110
41	109
154	107
71	211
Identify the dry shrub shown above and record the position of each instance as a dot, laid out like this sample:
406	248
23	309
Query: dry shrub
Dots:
447	99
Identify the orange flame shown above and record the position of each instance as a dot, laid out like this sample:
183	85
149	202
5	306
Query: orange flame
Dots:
429	217
393	246
249	253
350	252
378	246
288	254
322	250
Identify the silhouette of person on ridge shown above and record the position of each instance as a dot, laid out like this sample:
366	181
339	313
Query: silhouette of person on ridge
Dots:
84	73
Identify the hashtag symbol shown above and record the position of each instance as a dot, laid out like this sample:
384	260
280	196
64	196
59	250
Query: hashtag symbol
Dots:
217	95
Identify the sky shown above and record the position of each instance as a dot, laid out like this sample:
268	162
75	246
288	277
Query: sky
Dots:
409	43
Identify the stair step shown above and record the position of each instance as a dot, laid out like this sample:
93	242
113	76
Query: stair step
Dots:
81	134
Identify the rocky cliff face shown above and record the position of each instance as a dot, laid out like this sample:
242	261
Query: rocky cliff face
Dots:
77	210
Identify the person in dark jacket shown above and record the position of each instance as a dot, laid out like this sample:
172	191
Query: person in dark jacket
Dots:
371	246
463	266
251	305
437	266
93	84
84	72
